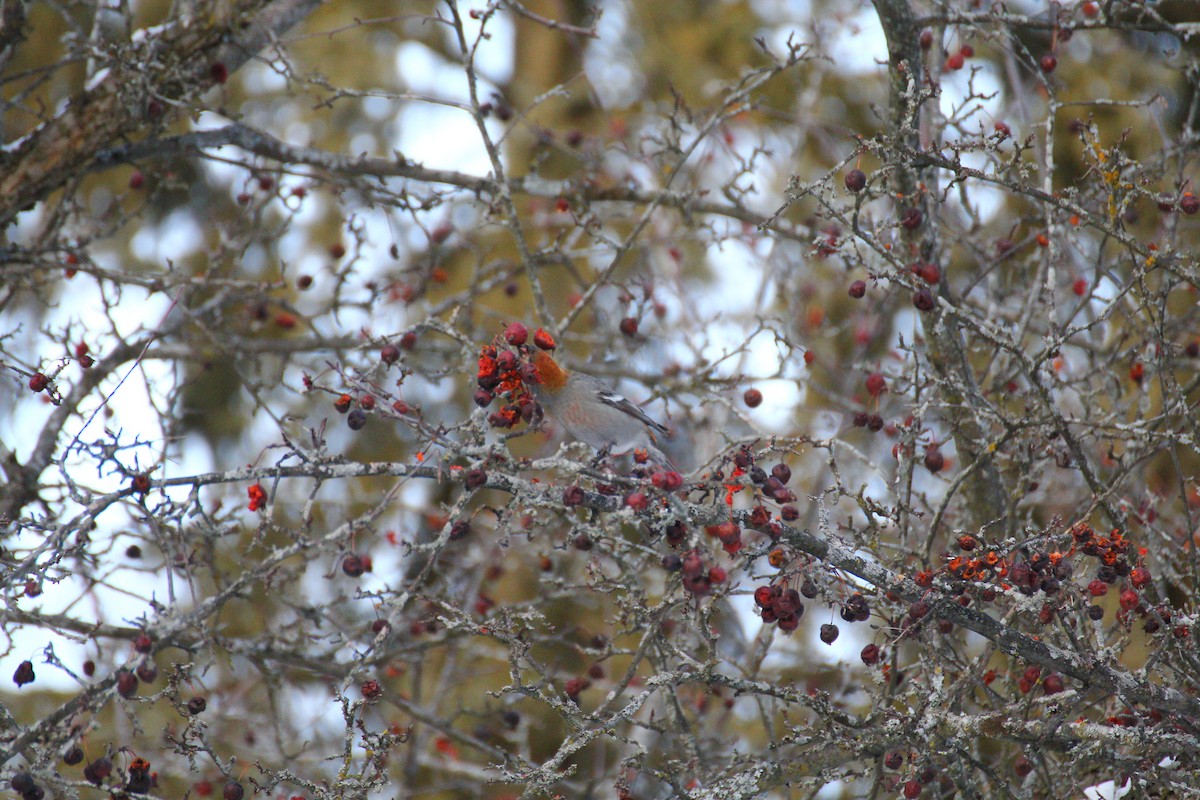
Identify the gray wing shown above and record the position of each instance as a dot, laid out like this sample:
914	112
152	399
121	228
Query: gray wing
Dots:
619	402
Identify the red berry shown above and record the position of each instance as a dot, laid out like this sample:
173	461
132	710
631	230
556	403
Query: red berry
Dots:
1139	577
876	384
753	398
1189	203
934	460
923	300
218	72
127	683
912	789
98	770
1053	684
38	382
918	610
967	51
666	481
829	633
1002	129
390	354
1079	287
911	219
856	180
1048	62
926	39
353	566
143	643
1022	766
516	334
475	478
1090	9
858	289
954	62
629	326
233	791
543	340
870	655
137	180
1097	588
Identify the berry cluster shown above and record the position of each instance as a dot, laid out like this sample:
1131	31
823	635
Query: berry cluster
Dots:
503	374
772	487
1042	572
698	577
780	605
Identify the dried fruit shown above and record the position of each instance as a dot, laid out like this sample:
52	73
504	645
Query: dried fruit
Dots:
24	673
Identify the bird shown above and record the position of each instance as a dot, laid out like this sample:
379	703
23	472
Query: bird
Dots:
592	412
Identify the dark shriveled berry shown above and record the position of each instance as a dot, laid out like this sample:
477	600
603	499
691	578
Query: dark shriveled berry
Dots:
127	683
24	673
856	180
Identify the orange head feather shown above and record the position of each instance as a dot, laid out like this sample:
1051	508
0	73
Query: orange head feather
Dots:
550	375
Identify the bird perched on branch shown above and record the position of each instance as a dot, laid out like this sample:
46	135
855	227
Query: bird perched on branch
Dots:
592	412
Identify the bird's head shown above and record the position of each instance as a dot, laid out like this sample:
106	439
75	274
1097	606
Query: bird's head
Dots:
546	371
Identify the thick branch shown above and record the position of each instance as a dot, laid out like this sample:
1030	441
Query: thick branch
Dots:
171	69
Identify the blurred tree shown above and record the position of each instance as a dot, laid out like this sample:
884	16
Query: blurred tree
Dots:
913	284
